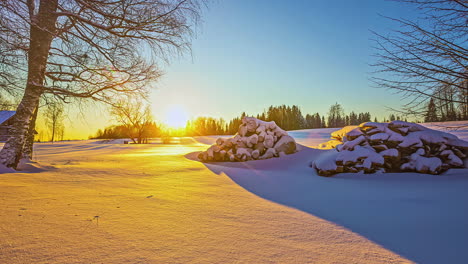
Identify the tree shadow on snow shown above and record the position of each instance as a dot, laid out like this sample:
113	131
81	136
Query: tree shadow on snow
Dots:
421	217
27	166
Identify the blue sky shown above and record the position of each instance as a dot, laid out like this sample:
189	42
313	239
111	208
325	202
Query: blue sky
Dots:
251	54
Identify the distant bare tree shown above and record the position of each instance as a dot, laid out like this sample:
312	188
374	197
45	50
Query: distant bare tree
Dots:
136	119
96	49
336	116
428	57
54	115
463	107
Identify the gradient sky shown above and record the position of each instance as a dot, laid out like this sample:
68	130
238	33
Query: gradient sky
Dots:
249	54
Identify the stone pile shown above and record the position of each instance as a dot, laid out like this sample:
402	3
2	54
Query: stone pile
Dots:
391	147
255	140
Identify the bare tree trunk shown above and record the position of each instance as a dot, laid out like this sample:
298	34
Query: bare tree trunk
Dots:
463	97
12	151
53	131
139	136
28	146
41	35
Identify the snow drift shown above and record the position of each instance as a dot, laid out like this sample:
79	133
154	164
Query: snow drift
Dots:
255	140
391	147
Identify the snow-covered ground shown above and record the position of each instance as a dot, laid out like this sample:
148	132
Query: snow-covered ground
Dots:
88	202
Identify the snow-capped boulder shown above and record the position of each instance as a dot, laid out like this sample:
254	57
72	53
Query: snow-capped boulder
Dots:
391	147
255	140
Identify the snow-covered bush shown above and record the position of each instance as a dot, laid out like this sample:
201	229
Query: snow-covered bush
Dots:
391	147
255	140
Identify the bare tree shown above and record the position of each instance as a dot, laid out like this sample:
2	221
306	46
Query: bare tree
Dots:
336	116
427	57
95	49
54	116
463	107
135	118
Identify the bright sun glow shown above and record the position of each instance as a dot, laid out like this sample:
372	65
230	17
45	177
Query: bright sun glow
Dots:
176	116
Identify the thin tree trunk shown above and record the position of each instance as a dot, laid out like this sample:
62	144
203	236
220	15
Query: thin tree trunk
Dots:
465	97
139	137
41	35
53	131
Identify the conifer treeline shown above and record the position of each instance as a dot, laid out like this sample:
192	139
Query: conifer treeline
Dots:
287	117
440	110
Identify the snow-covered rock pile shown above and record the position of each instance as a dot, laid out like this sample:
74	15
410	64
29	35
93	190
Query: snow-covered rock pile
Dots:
255	140
391	147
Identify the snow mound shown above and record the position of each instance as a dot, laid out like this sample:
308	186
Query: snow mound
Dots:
391	147
255	140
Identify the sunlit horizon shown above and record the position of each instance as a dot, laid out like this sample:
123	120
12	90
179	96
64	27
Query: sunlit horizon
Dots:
175	117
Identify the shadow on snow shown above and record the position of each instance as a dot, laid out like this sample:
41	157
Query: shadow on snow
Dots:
421	217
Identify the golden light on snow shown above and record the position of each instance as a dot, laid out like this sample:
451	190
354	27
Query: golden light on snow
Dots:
175	116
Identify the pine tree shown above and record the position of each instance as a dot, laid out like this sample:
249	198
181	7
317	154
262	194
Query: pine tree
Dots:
431	114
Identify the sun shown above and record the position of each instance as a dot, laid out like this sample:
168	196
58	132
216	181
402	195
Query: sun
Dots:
176	116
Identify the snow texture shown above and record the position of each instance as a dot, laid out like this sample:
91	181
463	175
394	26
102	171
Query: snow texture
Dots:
153	203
